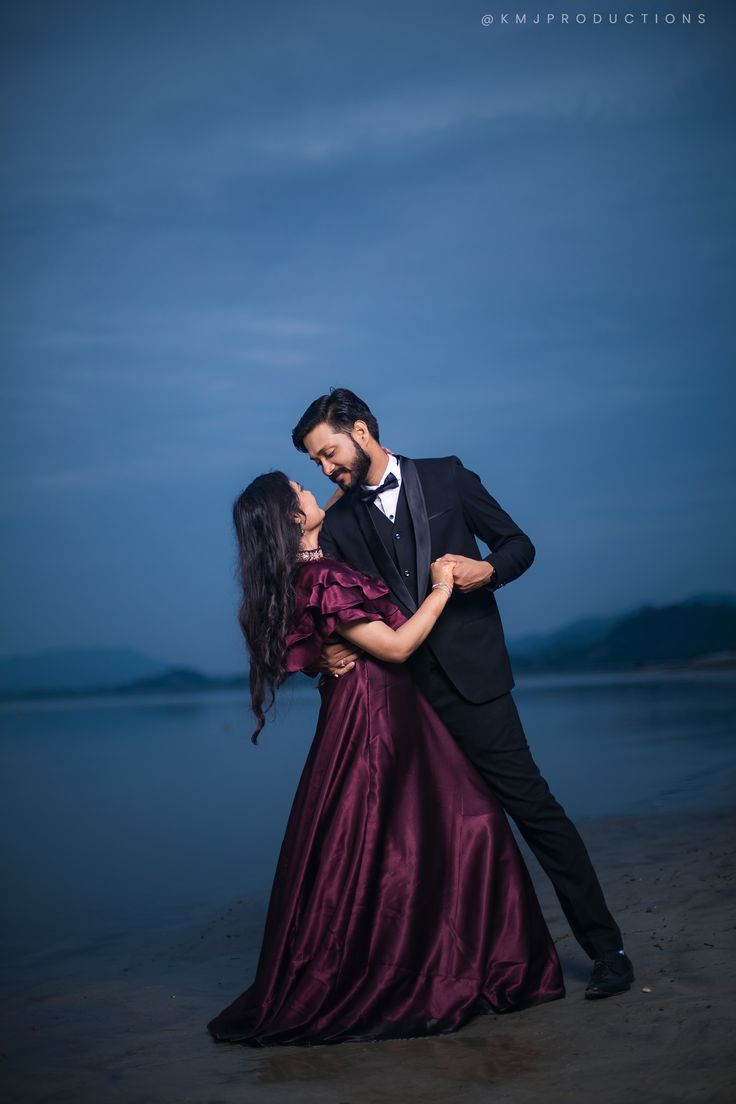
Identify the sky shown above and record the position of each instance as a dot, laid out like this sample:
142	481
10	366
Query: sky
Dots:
514	242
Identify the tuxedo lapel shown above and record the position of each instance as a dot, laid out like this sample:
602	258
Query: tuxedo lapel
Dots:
418	510
384	562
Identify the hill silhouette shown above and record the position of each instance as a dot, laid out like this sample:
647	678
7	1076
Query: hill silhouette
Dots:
699	632
689	633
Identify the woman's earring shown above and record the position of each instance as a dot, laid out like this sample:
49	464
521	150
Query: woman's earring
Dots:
301	528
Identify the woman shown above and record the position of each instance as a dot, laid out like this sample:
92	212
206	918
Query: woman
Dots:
401	905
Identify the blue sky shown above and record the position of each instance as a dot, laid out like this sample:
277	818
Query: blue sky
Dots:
515	243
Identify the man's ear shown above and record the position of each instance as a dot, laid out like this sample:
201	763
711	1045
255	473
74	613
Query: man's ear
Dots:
361	431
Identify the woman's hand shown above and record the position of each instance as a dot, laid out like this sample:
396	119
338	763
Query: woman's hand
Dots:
469	574
443	571
337	659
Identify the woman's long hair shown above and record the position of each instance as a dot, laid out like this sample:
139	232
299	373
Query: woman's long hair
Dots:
268	540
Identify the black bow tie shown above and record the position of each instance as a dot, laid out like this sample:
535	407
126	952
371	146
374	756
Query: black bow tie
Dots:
370	496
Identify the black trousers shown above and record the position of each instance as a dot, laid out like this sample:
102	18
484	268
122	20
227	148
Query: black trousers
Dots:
492	737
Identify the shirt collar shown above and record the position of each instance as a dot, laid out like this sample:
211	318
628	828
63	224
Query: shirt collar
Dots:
392	466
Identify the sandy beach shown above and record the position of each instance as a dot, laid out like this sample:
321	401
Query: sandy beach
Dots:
129	1028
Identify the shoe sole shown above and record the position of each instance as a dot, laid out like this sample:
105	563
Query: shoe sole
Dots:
593	994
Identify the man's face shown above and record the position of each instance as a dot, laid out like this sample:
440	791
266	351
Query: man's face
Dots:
342	459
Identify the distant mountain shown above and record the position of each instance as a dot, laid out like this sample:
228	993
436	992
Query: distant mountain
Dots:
711	600
181	678
698	632
169	680
72	668
579	633
694	632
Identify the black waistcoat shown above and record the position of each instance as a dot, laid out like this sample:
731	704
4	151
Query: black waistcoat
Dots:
398	539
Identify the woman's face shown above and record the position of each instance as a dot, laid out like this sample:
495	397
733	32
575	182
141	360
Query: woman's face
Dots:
313	514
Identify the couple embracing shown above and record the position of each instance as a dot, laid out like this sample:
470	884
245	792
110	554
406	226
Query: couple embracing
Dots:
401	904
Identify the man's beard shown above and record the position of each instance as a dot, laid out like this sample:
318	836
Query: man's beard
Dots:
358	470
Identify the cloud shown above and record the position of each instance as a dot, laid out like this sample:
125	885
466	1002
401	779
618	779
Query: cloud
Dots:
227	139
216	331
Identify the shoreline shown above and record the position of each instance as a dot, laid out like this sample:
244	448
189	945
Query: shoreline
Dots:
132	1026
523	681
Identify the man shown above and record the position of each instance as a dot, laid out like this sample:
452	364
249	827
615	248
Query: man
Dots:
395	516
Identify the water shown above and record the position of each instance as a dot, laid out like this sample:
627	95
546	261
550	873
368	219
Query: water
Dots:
125	815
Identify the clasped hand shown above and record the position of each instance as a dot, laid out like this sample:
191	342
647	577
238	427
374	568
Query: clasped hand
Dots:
469	574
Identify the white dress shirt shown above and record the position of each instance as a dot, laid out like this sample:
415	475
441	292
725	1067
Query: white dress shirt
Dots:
388	501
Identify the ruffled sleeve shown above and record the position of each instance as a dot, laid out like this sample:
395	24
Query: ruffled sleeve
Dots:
329	592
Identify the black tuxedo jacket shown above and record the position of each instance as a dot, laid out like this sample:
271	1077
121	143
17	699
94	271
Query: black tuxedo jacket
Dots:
449	508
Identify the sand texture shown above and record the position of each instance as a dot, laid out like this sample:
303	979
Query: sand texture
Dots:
130	1028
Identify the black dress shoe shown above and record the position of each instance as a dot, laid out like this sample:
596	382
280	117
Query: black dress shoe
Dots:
613	973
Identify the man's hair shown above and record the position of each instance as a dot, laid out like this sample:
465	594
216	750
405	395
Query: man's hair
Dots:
341	409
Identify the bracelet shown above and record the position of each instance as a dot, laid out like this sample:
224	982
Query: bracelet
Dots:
442	586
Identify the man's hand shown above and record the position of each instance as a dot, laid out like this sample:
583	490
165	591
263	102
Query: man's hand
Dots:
337	659
469	574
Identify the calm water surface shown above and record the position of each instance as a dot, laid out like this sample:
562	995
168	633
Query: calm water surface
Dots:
126	815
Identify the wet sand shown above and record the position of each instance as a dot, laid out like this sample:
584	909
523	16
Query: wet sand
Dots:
129	1028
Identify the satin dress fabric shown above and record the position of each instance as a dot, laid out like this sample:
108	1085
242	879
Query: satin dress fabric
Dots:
401	905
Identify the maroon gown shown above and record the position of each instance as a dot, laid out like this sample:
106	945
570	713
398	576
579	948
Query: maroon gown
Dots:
401	905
